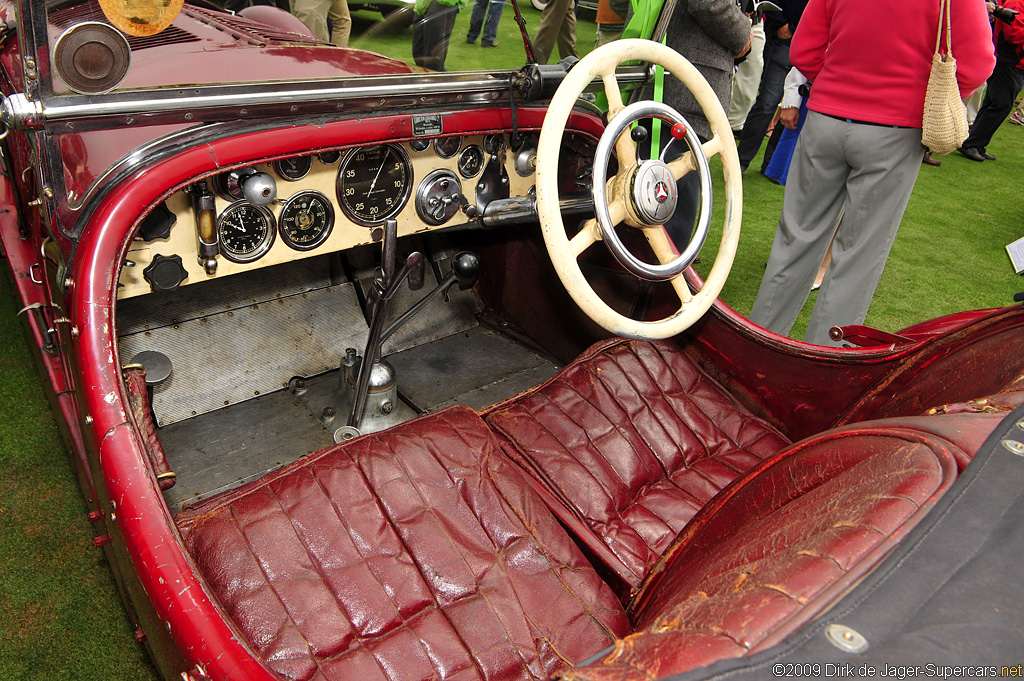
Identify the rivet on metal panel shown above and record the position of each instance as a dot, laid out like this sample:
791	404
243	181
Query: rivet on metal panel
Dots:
1014	447
846	639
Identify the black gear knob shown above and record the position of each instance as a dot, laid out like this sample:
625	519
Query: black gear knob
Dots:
466	266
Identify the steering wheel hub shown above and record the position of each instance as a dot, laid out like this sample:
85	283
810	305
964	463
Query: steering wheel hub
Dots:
654	191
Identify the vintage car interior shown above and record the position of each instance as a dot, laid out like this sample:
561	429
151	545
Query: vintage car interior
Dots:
354	392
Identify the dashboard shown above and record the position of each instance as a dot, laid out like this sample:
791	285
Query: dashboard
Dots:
270	213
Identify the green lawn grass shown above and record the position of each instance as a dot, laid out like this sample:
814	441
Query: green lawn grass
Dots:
370	34
62	615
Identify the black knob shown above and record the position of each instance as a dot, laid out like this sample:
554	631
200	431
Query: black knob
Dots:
639	134
466	267
165	273
157	225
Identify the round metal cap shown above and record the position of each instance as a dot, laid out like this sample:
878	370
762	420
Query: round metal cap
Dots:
157	364
92	57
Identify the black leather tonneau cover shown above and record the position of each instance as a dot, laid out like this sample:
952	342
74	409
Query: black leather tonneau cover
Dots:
948	603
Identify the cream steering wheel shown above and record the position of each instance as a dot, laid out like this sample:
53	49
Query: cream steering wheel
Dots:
635	195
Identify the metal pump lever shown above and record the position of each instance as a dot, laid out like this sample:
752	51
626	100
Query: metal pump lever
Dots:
464	272
384	288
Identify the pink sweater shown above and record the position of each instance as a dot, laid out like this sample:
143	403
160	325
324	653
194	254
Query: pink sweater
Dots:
869	60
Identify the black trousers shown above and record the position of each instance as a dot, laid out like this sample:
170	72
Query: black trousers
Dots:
1003	85
431	33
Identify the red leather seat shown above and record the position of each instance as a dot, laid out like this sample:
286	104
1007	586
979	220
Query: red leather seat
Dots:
418	553
630	441
777	548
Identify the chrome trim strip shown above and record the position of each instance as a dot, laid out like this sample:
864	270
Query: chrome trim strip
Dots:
213	103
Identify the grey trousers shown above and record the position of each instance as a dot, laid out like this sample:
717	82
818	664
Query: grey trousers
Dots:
863	174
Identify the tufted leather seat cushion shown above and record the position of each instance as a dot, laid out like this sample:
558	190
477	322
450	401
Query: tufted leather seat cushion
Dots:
418	553
777	548
631	440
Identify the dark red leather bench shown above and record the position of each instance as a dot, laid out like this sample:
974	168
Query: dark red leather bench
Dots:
630	441
777	548
426	552
419	553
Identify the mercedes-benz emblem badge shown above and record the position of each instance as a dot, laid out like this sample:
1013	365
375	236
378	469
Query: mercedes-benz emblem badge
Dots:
661	192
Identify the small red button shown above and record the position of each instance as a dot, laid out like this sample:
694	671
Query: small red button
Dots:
679	131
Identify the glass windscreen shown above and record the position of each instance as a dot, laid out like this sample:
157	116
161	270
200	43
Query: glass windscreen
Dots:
99	46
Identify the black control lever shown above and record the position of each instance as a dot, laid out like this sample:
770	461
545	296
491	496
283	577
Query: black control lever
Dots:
465	268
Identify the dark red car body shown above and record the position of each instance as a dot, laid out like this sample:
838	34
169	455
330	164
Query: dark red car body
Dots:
67	253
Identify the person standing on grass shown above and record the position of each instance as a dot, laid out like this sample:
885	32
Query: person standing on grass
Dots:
314	14
557	25
1003	85
711	34
433	22
486	15
859	151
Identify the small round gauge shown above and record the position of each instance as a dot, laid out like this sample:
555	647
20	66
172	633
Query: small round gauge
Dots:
446	147
374	183
494	142
329	158
471	161
294	168
246	231
420	144
306	220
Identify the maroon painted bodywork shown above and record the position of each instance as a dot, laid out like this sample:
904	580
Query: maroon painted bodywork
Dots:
784	390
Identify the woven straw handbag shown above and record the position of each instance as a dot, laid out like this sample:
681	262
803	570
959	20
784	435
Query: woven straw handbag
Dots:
945	117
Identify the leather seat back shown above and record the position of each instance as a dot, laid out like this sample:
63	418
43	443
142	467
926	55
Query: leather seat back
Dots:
630	441
778	547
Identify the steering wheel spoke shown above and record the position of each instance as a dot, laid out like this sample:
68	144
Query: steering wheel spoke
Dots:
686	163
665	251
586	238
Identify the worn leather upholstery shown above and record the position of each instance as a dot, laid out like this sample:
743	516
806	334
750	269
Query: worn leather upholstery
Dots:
419	553
778	547
631	440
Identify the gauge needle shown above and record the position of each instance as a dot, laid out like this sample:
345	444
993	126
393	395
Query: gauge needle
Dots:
373	184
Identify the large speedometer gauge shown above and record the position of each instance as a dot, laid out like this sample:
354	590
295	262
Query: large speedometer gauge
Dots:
246	232
374	183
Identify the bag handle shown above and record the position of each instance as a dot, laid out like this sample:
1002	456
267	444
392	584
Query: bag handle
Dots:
944	13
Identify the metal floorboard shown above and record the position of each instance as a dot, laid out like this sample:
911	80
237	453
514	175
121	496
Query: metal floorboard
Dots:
222	449
477	368
225	448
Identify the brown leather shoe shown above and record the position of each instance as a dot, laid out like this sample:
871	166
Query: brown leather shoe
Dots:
930	160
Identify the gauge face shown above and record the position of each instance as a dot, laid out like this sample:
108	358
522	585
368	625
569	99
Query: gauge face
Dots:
420	144
246	232
329	158
446	147
294	168
374	183
492	143
306	220
471	160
